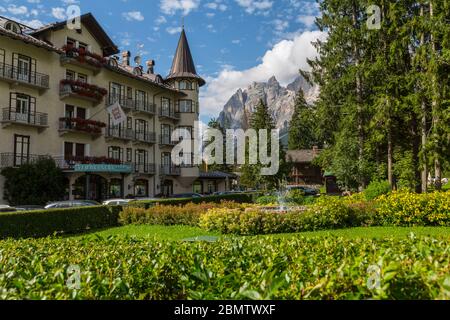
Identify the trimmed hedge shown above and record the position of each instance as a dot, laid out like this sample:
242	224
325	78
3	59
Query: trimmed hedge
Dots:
234	269
60	221
335	214
238	198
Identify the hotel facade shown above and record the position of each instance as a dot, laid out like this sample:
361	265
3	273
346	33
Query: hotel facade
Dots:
55	86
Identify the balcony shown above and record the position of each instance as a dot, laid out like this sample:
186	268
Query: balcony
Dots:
170	170
166	141
131	105
31	119
11	160
82	58
81	90
145	137
117	133
144	168
15	76
78	125
169	114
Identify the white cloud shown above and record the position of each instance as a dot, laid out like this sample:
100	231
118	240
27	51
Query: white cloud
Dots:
308	21
59	13
173	30
216	5
252	6
170	7
283	61
17	10
161	20
133	16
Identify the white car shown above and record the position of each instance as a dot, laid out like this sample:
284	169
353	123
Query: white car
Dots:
6	208
117	202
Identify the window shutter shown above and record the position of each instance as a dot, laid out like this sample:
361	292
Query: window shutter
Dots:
32	104
33	78
12	101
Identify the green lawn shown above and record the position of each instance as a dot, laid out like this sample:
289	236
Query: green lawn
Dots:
176	233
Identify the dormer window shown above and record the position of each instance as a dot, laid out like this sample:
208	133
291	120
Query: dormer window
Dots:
137	71
13	26
113	62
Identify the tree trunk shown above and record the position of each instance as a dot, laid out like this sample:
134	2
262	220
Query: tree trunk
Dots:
435	112
424	174
359	110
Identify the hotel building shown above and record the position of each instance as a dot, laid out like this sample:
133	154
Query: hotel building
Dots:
55	86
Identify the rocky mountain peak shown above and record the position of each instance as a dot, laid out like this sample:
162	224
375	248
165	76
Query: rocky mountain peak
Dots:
280	100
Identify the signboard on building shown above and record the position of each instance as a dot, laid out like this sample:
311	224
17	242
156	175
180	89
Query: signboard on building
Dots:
103	168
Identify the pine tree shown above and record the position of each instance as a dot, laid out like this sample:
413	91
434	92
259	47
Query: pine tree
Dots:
301	127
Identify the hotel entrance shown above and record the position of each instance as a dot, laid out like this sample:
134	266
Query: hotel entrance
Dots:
91	187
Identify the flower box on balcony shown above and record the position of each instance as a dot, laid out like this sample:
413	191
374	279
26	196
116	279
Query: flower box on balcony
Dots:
91	127
83	58
82	90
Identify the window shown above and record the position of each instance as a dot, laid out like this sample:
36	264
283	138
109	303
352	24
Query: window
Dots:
166	159
183	130
71	75
185	106
141	126
198	187
75	112
82	78
13	26
82	45
115	153
21	149
129	123
22	107
185	85
166	130
129	155
115	92
71	42
74	149
165	106
140	96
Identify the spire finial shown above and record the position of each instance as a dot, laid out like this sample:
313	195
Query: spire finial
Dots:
182	22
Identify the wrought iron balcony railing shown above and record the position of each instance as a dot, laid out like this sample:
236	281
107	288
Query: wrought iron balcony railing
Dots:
24	76
37	119
130	104
170	170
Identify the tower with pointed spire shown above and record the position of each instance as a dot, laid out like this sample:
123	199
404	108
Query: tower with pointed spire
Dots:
183	76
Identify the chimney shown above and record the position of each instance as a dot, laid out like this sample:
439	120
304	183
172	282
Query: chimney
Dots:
126	56
151	66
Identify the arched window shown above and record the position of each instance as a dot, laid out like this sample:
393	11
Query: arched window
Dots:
13	26
113	63
137	71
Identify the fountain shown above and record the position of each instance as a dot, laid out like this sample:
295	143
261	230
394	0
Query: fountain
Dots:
283	205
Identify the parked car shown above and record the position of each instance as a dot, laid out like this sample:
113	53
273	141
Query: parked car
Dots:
186	195
72	204
306	190
29	208
117	202
6	208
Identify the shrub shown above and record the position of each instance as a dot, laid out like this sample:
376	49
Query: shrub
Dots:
35	183
239	198
253	221
60	221
294	197
168	215
232	269
376	189
410	209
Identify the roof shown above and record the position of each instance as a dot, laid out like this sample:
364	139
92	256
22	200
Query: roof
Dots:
25	36
29	36
216	175
183	65
301	156
154	79
108	46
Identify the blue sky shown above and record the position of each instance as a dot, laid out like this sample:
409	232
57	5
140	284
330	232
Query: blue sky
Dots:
234	42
